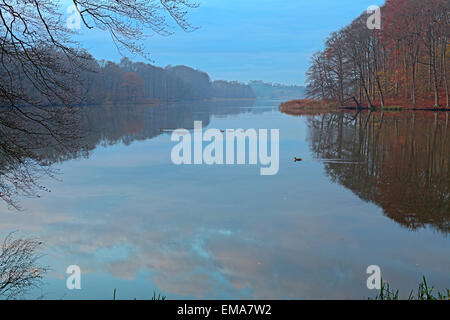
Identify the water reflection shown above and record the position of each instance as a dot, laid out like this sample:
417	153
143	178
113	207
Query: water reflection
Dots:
112	124
27	158
398	161
25	132
134	221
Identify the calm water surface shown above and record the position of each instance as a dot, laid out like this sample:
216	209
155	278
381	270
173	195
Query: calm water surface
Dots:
372	189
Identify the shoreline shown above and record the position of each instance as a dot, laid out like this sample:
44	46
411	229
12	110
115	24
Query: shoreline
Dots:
318	105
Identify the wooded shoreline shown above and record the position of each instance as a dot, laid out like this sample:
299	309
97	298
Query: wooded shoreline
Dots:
319	105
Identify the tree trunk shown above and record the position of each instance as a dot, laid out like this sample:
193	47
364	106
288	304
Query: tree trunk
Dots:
444	70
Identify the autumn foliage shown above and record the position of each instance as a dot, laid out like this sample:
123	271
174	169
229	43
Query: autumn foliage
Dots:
405	63
133	85
305	107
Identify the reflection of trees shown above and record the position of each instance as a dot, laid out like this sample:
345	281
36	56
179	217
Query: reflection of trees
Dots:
400	163
109	125
24	158
19	267
44	74
23	136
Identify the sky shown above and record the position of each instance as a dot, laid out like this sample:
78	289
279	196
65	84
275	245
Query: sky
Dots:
269	40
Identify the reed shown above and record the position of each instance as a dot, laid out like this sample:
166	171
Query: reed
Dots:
156	296
424	292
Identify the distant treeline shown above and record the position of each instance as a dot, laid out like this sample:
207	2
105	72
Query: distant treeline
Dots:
276	91
406	62
129	81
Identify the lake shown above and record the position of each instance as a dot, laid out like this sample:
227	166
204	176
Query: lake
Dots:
372	189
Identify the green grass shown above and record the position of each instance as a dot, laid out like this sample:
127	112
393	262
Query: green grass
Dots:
424	292
392	108
156	296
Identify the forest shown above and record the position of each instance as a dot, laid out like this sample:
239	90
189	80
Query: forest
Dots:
107	82
135	82
406	62
276	90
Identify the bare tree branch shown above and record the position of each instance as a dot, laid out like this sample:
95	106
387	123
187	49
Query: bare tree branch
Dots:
19	267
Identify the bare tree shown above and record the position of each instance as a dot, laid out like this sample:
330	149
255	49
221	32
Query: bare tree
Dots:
19	267
131	21
41	73
409	54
